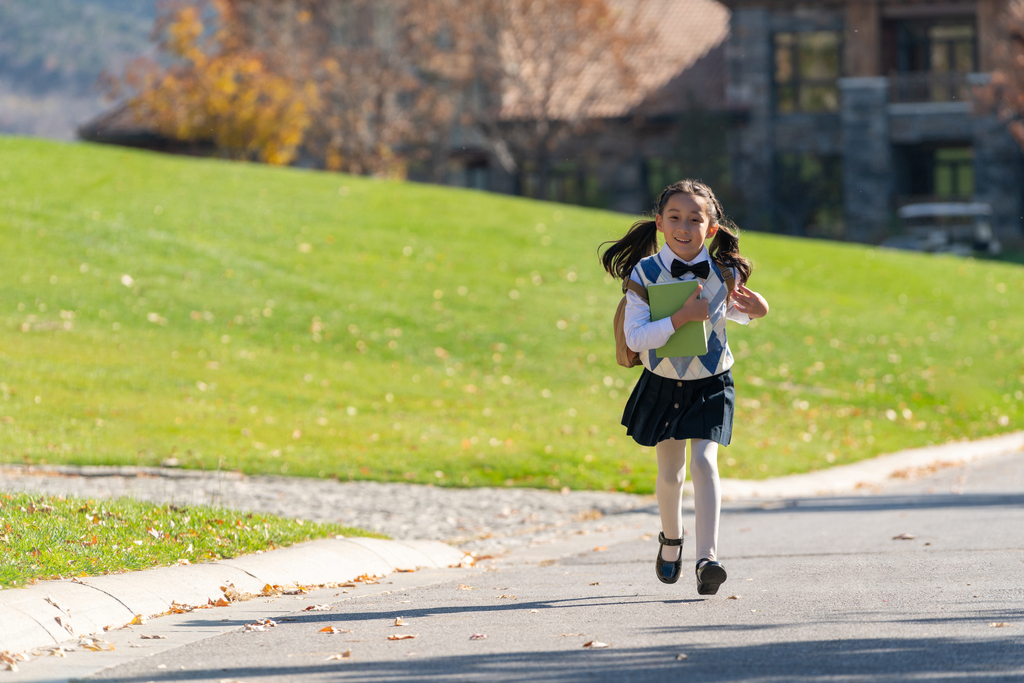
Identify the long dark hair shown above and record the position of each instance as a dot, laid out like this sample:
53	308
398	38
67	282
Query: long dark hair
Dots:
641	240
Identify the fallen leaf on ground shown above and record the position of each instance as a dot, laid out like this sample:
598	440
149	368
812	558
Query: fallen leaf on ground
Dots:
903	537
347	654
317	608
347	585
402	636
735	597
506	596
221	602
96	645
998	624
259	625
595	644
464	587
405	601
680	657
153	637
600	548
400	621
596	583
65	623
137	620
478	636
534	611
334	629
405	571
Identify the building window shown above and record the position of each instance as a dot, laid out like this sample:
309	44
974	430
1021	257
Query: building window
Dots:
928	61
935	47
927	172
807	70
954	172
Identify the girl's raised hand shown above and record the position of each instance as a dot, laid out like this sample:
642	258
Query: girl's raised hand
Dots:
750	302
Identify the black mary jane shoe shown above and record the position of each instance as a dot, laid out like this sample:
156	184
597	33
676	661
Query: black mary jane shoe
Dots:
668	572
710	575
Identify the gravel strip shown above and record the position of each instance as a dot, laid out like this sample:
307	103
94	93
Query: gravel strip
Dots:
483	519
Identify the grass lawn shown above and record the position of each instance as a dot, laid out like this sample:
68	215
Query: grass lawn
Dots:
46	537
285	321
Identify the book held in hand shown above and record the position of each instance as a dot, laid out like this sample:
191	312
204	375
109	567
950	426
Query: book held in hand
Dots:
692	338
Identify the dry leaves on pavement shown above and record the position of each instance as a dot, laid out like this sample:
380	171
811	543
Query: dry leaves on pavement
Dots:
400	621
478	636
334	629
347	654
903	537
317	608
595	644
259	625
144	637
402	636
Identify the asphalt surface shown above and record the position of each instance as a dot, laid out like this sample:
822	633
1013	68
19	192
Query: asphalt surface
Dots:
921	580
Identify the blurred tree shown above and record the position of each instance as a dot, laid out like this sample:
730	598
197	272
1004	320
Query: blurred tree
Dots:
560	64
219	89
365	86
1005	94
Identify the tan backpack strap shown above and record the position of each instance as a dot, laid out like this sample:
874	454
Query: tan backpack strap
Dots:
636	288
728	275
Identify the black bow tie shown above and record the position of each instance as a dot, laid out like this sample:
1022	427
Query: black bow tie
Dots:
701	270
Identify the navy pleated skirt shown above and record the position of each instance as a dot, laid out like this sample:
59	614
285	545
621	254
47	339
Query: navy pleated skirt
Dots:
661	408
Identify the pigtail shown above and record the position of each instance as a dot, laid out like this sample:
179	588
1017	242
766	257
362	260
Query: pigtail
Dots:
622	256
725	249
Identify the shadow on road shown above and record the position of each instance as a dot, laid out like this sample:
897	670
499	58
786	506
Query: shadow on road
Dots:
875	659
872	503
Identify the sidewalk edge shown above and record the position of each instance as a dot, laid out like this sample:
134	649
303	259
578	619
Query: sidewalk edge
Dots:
28	616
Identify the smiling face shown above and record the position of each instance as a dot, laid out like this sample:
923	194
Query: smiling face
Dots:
685	224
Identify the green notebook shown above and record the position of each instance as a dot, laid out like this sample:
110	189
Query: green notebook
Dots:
692	338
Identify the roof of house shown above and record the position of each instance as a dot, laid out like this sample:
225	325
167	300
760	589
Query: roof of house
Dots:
680	66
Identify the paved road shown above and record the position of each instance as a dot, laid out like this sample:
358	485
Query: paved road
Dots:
819	590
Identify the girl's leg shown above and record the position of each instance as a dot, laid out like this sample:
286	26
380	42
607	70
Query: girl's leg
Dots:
669	491
707	495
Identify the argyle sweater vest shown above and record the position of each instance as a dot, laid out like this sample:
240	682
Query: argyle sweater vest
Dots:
718	359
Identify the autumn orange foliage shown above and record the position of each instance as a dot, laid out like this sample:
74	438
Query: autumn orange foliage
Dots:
219	90
372	86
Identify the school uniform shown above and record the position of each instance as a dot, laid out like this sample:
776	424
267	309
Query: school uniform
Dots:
687	397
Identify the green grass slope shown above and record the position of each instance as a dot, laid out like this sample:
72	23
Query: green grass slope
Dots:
286	321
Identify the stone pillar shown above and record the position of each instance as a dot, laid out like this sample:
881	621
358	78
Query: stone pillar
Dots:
749	59
999	179
868	178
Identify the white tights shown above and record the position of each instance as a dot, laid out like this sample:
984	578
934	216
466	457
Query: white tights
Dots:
707	493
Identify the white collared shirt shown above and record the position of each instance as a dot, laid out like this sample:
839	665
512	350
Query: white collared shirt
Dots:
644	335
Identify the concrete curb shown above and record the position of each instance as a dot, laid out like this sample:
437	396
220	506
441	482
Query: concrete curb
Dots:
870	474
34	617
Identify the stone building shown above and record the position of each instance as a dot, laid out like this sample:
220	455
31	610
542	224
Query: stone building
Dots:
849	109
